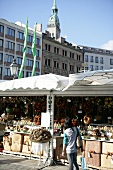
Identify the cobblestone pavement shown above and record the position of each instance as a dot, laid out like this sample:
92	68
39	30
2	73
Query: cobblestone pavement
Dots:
8	162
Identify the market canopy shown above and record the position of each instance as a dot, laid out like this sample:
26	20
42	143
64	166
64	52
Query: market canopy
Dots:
90	83
99	77
47	82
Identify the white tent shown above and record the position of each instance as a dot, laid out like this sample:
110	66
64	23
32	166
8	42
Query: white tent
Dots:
47	81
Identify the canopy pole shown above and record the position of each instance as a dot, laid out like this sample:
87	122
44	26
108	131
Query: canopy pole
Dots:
50	109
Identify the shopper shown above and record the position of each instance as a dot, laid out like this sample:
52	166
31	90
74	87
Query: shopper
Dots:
70	143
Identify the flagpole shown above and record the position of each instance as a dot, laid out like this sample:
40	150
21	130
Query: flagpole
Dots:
24	50
34	50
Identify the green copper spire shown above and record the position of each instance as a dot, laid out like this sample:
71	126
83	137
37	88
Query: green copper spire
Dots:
54	5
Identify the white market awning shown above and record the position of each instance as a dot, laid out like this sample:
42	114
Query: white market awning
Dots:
100	77
47	82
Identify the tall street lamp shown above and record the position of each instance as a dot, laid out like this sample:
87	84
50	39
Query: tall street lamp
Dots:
14	68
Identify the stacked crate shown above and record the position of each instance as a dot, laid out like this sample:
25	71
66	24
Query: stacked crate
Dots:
107	155
7	142
17	141
26	147
93	152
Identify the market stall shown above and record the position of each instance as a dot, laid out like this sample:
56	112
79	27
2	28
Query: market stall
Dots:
72	86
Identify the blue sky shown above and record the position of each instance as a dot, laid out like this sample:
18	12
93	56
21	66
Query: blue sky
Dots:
83	22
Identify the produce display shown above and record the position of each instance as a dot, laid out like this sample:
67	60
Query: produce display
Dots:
40	135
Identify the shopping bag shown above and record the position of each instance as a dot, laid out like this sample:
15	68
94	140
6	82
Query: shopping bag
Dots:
83	163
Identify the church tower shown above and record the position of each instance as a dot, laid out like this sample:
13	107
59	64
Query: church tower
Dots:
54	25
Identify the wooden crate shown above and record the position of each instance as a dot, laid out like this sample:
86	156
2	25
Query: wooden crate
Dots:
27	141
107	147
16	147
7	139
26	149
7	146
92	145
94	159
17	138
106	161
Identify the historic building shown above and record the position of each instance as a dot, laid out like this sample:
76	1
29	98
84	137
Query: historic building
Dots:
11	46
97	59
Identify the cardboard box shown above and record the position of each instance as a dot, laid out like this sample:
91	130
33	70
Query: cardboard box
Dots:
107	147
17	138
7	139
106	161
27	141
26	149
7	146
16	147
93	159
95	146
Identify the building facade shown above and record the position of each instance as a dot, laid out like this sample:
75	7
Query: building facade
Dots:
11	46
60	57
97	59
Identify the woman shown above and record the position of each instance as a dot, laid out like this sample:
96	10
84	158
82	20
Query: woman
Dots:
69	143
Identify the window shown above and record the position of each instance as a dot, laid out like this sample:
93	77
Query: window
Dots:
101	67
47	47
78	57
28	74
20	47
19	60
56	64
37	53
101	60
1	56
37	64
91	58
52	34
29	50
9	58
29	63
10	45
96	59
111	61
30	38
64	66
7	72
96	67
64	53
1	43
56	50
86	58
72	68
10	32
91	67
71	55
47	62
1	28
38	41
21	35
